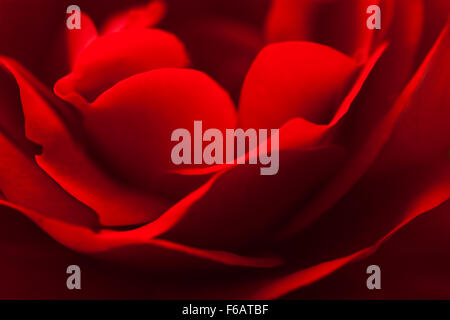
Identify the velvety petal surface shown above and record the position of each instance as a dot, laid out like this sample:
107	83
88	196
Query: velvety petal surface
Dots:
132	123
116	56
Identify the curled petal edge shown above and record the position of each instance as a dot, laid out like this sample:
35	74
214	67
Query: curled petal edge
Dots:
87	241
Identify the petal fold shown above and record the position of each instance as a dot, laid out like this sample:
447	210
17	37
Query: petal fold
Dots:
114	57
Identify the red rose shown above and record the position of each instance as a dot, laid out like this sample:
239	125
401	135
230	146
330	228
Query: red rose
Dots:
85	124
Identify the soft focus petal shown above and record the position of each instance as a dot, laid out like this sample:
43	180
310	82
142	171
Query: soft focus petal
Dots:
222	48
131	124
70	164
414	265
341	24
389	199
422	133
436	194
11	116
77	40
436	16
66	47
139	17
87	241
222	37
33	265
116	56
29	275
24	183
366	152
294	79
298	133
243	208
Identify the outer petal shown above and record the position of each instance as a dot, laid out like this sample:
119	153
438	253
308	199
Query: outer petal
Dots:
68	163
436	16
24	183
36	267
365	153
33	265
78	40
414	265
244	208
436	195
388	199
11	116
87	241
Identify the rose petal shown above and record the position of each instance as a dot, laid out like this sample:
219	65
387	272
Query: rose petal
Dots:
415	258
298	79
11	116
331	23
78	40
85	240
33	265
116	56
422	131
299	133
131	124
394	180
23	244
222	48
69	164
431	197
383	200
436	16
243	208
138	17
337	23
366	152
222	37
66	47
24	183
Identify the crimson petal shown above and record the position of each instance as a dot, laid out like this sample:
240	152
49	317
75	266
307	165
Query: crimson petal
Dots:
114	57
